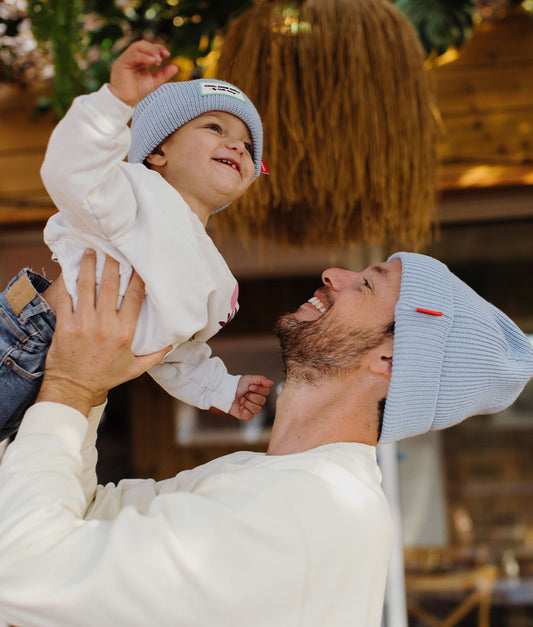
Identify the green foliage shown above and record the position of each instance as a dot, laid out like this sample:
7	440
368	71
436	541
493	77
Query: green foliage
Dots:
90	34
440	23
58	21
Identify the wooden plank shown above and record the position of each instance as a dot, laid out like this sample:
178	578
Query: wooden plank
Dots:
21	174
484	89
24	215
503	138
23	100
21	132
500	40
461	176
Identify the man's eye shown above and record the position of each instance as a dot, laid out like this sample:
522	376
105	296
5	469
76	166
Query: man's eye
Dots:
249	148
366	283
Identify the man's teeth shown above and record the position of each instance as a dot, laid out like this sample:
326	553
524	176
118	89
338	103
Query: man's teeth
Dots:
318	304
229	163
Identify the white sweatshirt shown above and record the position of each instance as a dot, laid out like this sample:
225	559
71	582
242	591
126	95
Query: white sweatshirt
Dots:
132	214
300	540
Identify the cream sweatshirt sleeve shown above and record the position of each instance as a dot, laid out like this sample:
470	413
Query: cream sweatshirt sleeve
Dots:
192	375
145	557
80	169
245	540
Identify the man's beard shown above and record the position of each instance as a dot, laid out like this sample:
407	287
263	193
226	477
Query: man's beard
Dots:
319	349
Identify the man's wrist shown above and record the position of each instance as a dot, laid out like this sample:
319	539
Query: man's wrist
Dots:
67	392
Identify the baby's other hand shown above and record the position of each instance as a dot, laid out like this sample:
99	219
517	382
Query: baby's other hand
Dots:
251	396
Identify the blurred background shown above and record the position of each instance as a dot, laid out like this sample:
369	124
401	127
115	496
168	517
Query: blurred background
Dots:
459	187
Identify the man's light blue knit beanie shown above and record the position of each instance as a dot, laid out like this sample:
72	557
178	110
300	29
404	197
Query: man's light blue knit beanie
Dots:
455	355
172	105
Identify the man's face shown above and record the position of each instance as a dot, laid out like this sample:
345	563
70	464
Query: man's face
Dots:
343	320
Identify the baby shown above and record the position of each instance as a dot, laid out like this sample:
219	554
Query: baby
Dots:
194	147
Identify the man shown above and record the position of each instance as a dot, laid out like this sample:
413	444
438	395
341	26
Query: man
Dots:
299	536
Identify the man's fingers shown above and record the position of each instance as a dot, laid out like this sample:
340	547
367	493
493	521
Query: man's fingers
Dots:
87	280
145	362
133	299
63	305
109	285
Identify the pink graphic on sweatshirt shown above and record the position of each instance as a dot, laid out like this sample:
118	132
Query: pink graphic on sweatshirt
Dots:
234	306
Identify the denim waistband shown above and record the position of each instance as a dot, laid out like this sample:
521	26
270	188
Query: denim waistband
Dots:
24	294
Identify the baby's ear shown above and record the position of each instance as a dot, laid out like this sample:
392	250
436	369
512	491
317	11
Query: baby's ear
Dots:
157	156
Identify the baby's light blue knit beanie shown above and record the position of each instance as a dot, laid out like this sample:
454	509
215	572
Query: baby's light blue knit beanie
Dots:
172	105
455	355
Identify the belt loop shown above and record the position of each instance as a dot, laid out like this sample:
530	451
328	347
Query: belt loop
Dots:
20	294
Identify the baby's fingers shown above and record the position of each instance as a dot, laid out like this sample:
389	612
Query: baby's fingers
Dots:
256	399
260	389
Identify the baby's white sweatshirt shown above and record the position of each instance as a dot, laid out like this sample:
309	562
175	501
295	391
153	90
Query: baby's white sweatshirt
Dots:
131	213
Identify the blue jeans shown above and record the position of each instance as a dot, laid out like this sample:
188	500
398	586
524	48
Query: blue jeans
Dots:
26	329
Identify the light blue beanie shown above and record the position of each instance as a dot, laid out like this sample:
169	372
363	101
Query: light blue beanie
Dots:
455	355
172	105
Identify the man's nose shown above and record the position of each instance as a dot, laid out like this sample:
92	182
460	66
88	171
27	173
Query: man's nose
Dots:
338	279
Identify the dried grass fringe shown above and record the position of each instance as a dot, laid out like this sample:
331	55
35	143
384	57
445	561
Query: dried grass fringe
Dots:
348	124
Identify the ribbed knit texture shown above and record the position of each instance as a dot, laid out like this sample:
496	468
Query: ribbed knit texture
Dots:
471	360
172	105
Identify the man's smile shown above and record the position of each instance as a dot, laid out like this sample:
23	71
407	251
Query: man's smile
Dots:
317	304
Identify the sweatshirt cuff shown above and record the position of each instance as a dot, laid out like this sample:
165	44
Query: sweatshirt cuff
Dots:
222	398
106	110
47	418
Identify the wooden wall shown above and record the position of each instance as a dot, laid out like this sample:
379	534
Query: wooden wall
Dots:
485	99
23	138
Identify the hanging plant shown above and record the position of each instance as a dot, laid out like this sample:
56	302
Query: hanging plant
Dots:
347	112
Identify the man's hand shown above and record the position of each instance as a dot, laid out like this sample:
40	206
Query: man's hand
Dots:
131	79
90	352
251	396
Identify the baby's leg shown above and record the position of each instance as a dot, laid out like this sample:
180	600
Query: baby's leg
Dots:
27	324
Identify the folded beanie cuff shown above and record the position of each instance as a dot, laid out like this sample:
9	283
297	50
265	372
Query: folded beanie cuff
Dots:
174	104
455	354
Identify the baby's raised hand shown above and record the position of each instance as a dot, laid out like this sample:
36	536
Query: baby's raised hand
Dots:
131	79
251	396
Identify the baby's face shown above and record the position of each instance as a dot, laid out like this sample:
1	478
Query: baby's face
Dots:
209	160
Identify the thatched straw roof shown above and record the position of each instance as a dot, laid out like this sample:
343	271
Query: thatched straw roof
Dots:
348	121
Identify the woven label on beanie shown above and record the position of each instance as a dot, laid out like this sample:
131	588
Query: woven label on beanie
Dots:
210	89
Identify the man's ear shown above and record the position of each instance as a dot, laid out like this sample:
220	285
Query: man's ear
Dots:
381	358
158	156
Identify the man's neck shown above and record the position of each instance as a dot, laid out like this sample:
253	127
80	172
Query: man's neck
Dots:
308	415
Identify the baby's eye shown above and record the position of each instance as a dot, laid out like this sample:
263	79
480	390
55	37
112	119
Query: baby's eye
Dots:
249	148
214	127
